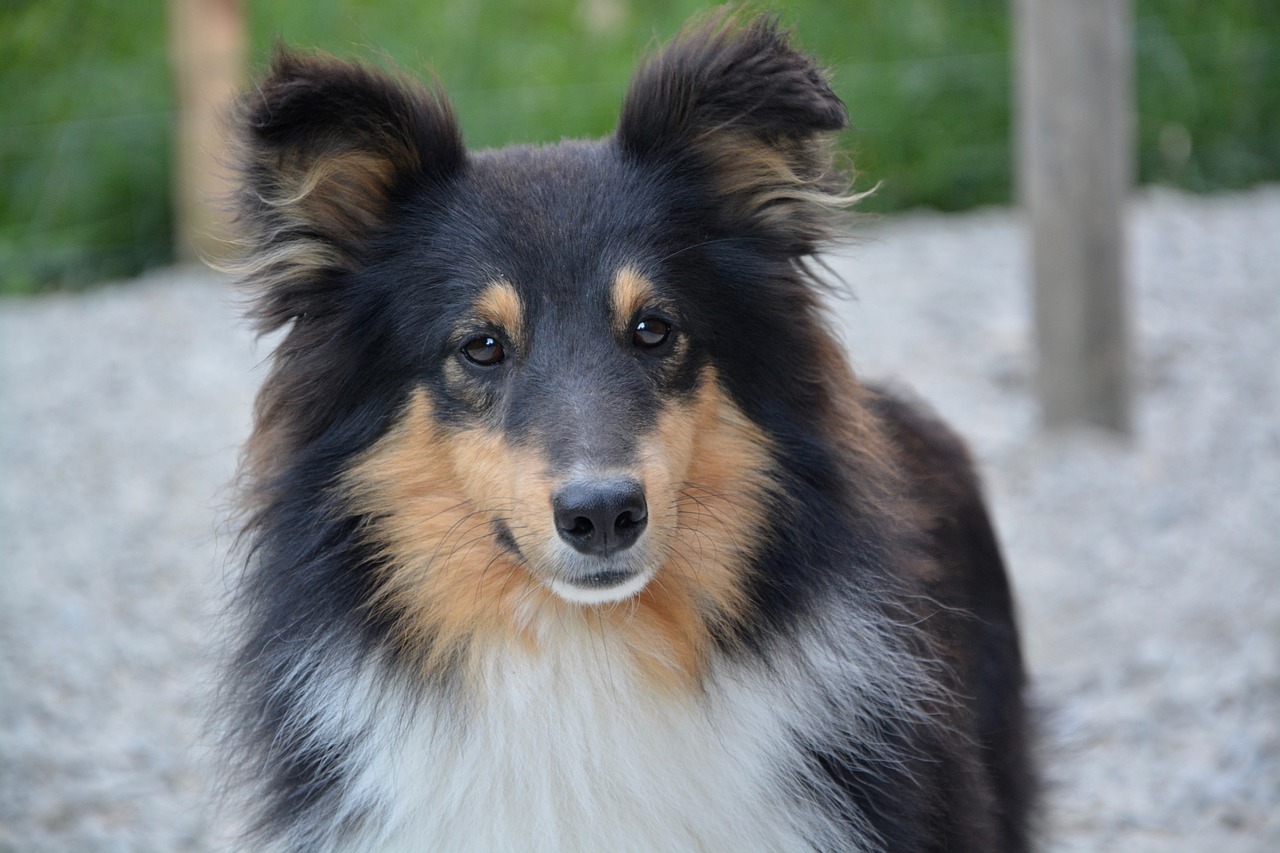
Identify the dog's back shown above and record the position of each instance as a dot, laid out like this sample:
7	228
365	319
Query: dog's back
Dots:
967	573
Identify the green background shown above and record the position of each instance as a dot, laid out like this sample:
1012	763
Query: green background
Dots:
86	102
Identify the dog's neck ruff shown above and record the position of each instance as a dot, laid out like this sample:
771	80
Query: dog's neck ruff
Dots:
569	748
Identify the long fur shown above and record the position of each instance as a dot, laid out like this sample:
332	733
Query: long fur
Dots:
810	644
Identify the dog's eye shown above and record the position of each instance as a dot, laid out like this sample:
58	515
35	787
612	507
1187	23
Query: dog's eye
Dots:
651	332
484	350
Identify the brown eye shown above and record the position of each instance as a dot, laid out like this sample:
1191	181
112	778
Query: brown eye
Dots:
651	332
484	350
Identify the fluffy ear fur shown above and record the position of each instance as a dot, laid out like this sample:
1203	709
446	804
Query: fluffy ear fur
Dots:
327	147
738	101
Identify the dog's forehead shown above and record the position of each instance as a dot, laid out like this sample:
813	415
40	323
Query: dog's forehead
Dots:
556	219
572	172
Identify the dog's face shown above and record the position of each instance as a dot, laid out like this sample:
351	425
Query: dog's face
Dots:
556	361
564	436
529	367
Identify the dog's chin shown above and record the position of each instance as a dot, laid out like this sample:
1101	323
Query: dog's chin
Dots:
589	581
602	588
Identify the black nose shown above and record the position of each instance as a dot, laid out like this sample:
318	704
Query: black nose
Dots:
600	517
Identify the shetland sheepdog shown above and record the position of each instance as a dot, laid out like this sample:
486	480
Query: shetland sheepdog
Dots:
569	527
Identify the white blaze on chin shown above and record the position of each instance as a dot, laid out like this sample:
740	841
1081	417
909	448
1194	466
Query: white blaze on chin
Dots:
575	594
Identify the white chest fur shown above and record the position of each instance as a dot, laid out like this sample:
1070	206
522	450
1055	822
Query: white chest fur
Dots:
570	750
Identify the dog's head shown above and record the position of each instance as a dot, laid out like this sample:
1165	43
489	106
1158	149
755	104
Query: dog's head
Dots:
548	377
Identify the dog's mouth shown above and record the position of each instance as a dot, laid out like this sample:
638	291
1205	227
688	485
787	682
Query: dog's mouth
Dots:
607	587
506	539
603	580
582	578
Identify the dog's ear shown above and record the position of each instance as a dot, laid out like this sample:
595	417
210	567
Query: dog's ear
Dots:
326	149
737	101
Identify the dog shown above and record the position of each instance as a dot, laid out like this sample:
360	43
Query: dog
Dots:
568	526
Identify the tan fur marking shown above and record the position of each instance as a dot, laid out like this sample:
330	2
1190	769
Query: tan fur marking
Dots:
431	498
854	430
788	185
343	194
631	292
718	467
444	575
500	304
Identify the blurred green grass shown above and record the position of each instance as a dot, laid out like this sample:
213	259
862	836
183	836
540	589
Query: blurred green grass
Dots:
86	105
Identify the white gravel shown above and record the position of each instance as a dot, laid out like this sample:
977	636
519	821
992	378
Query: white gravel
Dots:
1148	572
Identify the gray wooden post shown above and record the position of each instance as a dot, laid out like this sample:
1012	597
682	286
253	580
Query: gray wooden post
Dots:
1074	120
206	49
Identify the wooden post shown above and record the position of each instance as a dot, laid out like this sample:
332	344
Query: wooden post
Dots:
1074	113
206	51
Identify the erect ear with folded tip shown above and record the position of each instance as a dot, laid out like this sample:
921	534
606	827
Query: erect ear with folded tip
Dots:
736	100
327	149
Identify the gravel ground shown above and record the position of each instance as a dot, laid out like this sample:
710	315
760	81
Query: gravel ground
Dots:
1148	572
